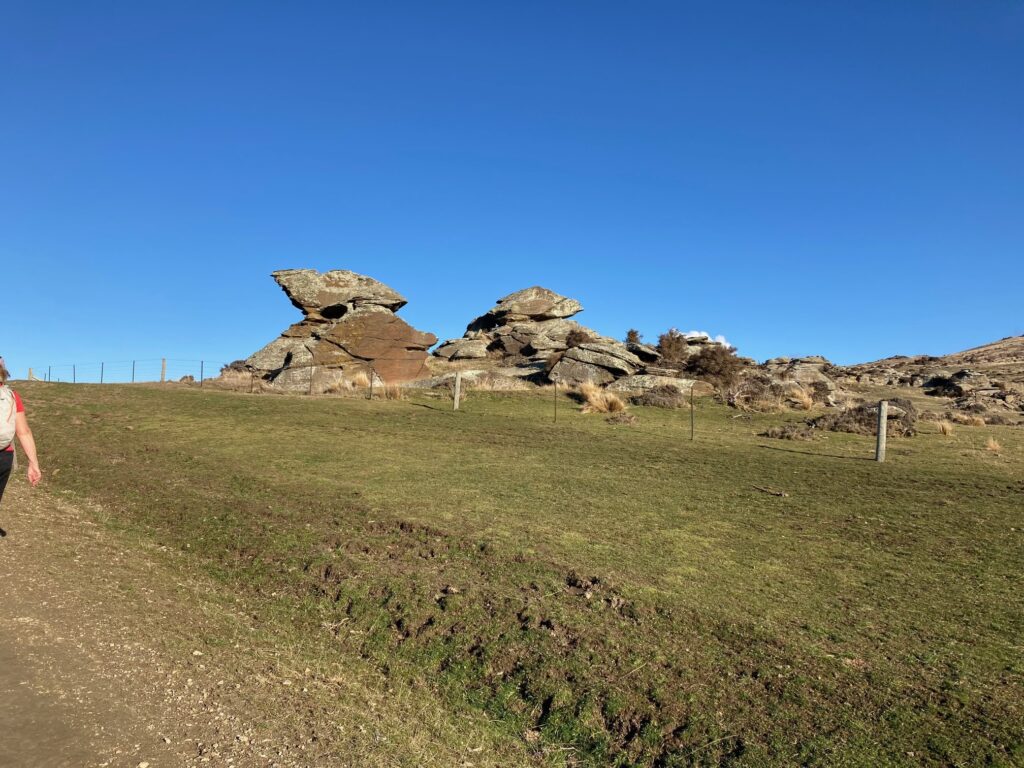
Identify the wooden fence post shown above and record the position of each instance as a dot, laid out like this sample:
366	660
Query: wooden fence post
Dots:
555	382
458	389
691	411
883	419
30	374
163	370
74	373
312	371
49	373
202	370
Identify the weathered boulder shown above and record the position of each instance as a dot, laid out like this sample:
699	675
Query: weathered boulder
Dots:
350	327
806	371
463	349
642	382
535	303
645	352
329	295
532	326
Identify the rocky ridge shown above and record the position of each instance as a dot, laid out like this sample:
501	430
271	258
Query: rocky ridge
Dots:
531	330
349	328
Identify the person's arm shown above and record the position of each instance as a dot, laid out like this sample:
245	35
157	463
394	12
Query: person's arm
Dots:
28	443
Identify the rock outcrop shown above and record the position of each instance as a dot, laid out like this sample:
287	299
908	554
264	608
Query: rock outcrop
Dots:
349	327
531	327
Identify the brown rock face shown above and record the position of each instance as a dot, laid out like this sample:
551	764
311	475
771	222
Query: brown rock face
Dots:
350	327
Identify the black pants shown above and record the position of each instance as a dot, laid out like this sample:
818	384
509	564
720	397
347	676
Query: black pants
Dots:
6	463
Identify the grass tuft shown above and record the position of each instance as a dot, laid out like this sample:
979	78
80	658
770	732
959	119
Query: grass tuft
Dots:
945	427
598	400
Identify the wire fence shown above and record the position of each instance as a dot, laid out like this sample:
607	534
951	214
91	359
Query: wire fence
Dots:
160	369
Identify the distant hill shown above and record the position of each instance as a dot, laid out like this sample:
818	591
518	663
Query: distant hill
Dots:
1003	359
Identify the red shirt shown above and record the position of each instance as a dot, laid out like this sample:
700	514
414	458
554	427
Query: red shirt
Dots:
19	407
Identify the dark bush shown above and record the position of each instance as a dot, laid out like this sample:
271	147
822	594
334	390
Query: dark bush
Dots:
673	348
789	432
863	419
623	417
576	337
237	365
717	364
633	336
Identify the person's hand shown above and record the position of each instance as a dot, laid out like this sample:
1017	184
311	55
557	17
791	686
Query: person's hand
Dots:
34	475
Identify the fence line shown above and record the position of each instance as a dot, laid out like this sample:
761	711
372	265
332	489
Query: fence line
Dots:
140	370
162	370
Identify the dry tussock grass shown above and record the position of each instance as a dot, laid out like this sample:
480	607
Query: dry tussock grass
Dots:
599	400
945	428
360	380
393	392
800	398
492	382
966	419
993	446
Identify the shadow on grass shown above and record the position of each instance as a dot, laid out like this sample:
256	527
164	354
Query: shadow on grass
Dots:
433	407
815	453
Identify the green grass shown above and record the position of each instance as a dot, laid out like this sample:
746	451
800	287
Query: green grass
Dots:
619	595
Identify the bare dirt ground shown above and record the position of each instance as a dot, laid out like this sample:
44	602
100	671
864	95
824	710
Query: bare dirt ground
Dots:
110	656
85	679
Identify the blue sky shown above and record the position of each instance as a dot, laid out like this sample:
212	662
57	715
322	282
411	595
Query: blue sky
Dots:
802	177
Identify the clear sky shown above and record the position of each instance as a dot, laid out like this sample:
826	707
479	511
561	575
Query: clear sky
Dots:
842	178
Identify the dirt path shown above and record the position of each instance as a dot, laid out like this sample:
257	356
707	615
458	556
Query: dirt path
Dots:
84	679
114	655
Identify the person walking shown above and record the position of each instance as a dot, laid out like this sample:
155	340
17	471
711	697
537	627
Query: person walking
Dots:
14	424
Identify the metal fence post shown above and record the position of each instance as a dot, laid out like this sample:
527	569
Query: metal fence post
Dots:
102	368
74	374
133	371
49	373
202	368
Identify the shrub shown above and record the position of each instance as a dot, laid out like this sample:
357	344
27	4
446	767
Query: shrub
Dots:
597	400
577	336
757	392
661	396
945	428
863	419
673	348
237	366
623	417
789	432
992	445
633	336
717	364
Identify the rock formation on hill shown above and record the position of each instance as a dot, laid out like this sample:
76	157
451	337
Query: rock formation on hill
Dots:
349	327
530	328
985	381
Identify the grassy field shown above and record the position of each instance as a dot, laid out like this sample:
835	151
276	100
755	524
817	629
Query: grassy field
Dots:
606	594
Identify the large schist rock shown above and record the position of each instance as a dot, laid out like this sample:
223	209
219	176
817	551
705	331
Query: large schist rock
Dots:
531	328
349	327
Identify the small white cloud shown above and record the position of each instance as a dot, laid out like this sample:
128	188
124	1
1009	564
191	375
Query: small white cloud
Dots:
705	335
